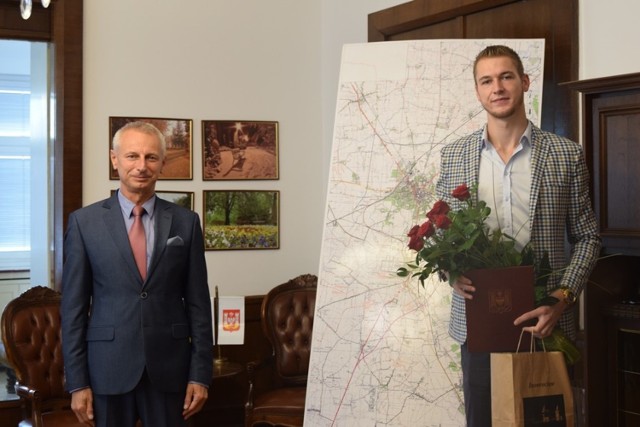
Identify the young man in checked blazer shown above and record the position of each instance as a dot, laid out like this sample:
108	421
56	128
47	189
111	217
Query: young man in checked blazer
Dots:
536	184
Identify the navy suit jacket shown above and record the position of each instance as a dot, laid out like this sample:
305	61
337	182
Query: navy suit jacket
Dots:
559	205
114	325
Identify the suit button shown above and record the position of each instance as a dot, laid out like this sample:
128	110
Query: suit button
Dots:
143	295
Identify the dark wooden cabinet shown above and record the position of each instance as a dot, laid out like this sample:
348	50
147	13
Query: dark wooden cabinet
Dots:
611	135
611	131
611	282
623	324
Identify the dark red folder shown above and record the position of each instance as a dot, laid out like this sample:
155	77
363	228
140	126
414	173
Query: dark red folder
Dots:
501	296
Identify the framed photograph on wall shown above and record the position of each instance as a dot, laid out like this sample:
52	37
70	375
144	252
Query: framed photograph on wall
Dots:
239	150
182	198
178	134
241	219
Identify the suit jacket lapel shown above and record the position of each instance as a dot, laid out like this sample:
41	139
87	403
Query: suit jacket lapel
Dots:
114	221
472	161
163	221
539	153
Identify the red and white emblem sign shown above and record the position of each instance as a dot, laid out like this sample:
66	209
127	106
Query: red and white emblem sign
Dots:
231	320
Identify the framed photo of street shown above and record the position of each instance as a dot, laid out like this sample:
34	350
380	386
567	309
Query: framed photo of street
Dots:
239	150
241	219
178	134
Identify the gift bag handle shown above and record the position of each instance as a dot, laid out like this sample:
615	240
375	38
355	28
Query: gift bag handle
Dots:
531	345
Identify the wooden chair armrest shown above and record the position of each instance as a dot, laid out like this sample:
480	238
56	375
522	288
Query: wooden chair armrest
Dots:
27	392
33	397
253	368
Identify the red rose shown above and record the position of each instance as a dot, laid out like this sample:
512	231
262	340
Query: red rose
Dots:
413	231
461	192
439	208
418	233
442	221
416	243
426	230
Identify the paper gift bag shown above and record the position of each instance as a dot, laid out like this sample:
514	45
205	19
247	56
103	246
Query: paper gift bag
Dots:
530	389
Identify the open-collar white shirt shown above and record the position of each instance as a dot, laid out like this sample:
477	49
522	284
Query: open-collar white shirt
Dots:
506	188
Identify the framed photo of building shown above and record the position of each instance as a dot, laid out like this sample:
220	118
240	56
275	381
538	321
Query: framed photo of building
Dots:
239	150
178	134
241	219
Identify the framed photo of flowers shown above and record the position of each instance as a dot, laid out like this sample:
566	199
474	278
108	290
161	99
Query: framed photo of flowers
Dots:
178	134
239	150
241	219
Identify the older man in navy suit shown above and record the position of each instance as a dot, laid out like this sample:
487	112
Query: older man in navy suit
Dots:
536	184
137	340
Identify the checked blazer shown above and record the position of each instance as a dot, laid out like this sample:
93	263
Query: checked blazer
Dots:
559	202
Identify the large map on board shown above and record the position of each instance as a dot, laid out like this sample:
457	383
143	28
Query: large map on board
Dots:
381	355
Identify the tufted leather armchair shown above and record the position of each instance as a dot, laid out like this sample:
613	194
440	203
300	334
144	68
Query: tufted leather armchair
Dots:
32	340
287	321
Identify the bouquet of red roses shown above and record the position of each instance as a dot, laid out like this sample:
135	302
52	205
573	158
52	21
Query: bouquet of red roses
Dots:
454	242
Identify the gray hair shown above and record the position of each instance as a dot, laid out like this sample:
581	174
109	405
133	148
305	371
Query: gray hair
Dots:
143	127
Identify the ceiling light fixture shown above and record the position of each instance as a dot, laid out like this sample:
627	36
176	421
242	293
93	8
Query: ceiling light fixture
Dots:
27	5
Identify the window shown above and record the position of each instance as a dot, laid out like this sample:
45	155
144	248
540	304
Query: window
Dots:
25	189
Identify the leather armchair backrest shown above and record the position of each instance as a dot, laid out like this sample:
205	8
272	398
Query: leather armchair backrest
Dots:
32	337
288	312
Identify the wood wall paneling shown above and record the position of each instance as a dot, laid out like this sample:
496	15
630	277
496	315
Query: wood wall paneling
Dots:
67	41
612	279
611	129
12	26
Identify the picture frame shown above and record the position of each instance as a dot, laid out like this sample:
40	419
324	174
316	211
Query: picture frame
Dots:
178	134
240	150
181	198
241	219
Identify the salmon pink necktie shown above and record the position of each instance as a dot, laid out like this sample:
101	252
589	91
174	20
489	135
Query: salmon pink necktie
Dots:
139	241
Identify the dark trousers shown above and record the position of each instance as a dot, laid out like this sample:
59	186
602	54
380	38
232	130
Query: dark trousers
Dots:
476	386
154	408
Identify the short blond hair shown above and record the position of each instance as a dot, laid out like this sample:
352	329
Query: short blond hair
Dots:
494	51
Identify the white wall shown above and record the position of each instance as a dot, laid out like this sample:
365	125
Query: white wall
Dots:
609	35
260	60
220	60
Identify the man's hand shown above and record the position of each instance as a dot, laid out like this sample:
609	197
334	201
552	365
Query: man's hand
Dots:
464	287
82	405
547	317
194	400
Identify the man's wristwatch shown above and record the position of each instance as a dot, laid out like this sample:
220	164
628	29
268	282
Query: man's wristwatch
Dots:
568	296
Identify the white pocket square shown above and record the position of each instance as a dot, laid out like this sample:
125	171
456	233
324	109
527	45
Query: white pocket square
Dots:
175	241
